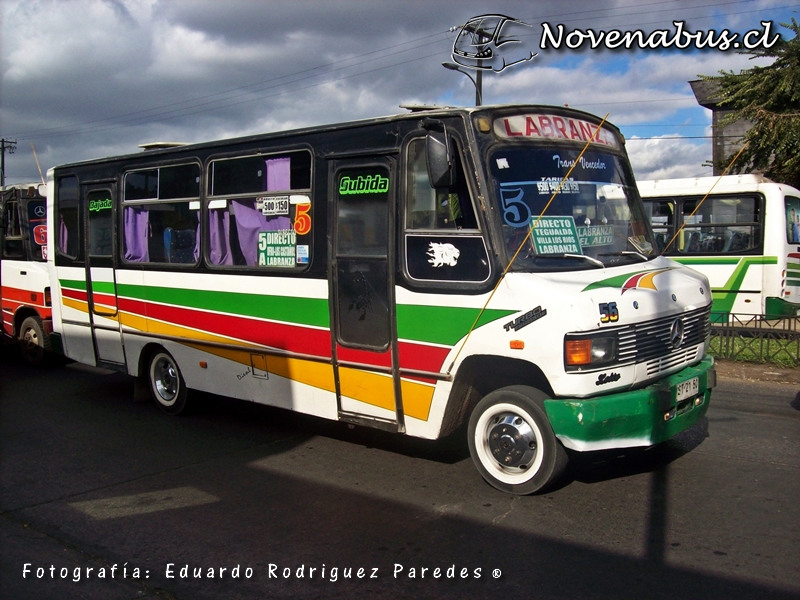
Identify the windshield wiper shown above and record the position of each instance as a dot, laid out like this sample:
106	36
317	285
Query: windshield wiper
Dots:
626	253
594	261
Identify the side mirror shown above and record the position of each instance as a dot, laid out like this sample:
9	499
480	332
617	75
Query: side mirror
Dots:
440	160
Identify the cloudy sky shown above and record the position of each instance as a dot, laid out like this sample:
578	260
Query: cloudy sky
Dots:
90	78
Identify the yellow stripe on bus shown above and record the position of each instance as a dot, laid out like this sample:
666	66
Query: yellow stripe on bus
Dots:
375	389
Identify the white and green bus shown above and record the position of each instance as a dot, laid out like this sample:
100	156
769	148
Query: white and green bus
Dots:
741	231
490	267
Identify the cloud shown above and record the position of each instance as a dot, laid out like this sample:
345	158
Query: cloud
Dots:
85	77
668	157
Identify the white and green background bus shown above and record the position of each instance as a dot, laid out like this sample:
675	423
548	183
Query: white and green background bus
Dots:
741	231
485	271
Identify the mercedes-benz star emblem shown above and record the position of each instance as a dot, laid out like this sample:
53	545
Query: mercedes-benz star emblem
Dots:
676	334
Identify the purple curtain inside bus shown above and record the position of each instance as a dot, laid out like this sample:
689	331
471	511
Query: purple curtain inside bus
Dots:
249	220
144	225
137	229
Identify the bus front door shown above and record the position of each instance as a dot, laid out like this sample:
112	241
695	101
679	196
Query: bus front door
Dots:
101	288
364	344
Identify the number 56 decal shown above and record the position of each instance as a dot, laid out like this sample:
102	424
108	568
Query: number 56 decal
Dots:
609	312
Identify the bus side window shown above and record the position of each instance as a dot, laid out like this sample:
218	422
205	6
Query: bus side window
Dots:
662	216
164	232
68	242
12	236
436	208
259	210
442	242
792	219
721	225
166	229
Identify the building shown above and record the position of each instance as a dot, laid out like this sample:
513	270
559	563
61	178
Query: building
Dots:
726	141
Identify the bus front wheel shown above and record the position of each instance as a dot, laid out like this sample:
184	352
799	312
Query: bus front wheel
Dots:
166	383
512	443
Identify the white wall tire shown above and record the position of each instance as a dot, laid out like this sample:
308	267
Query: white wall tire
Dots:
166	383
512	443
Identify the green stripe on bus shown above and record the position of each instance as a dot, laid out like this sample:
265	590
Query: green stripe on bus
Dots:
103	287
723	301
73	284
441	324
431	324
724	260
291	309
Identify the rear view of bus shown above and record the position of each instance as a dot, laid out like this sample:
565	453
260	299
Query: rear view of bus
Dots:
24	282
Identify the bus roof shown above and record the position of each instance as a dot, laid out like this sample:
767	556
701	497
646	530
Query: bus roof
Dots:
699	185
415	113
31	189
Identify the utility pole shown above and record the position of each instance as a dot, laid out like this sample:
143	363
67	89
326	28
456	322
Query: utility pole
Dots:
5	145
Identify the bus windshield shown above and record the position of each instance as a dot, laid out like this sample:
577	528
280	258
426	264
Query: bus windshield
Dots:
595	219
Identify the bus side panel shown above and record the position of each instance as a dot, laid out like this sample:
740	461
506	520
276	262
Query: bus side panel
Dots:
71	312
782	285
736	281
23	286
431	329
253	338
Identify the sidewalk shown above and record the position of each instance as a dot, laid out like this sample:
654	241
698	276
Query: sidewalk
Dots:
749	371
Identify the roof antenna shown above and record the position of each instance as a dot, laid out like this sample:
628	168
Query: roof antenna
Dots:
38	166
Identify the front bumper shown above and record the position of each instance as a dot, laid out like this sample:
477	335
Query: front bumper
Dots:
642	417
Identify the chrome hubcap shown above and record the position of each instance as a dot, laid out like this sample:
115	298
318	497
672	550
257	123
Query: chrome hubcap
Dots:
512	442
166	379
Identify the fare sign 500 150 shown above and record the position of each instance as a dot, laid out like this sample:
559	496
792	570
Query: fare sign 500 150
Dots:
274	205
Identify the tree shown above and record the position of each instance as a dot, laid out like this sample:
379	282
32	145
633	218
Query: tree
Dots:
768	97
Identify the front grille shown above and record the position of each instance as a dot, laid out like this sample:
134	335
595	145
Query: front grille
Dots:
680	357
650	340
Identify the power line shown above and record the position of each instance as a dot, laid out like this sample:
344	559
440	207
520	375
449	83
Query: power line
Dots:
195	105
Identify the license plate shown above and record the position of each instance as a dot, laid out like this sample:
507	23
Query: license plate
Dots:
688	388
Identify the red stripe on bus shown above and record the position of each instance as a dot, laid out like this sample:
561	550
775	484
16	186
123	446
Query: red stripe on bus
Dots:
283	336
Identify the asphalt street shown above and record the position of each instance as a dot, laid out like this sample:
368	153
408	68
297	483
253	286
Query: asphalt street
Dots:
102	497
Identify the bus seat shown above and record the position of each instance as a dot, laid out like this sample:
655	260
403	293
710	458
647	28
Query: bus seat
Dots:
692	243
179	245
728	240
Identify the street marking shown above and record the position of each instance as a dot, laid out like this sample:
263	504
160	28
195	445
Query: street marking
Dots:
141	504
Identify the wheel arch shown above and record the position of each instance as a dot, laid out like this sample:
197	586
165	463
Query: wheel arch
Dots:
143	363
22	313
481	374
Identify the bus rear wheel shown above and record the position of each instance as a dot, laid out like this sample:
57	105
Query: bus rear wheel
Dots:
166	383
512	443
33	341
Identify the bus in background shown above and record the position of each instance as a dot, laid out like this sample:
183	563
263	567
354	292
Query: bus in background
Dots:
24	278
745	237
490	267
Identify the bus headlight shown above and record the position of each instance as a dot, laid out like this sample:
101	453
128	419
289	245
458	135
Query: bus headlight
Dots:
589	351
